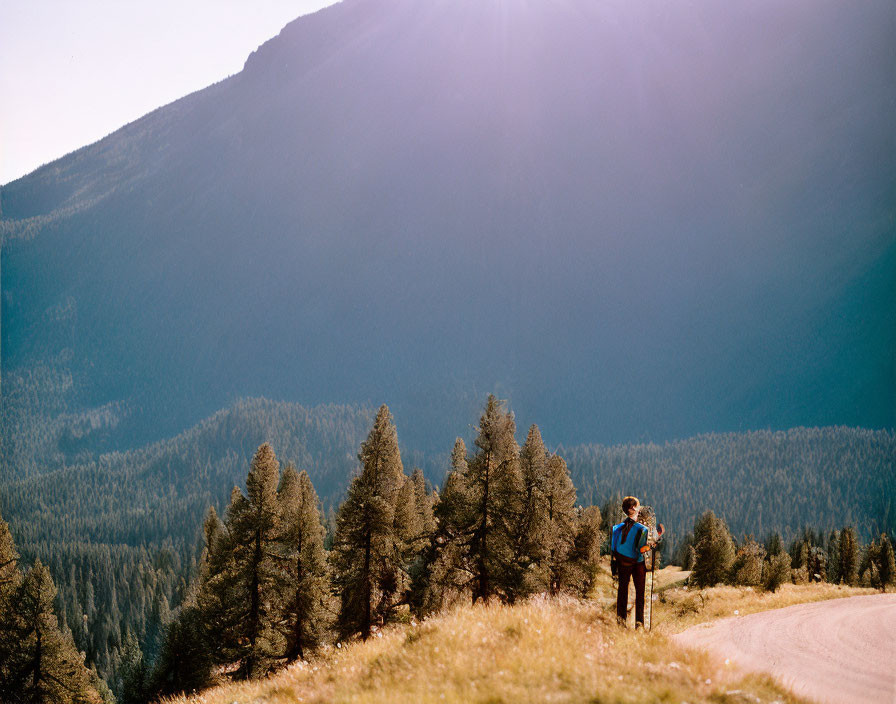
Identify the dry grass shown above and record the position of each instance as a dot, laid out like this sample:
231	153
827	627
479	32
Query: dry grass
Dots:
539	651
542	650
680	608
677	607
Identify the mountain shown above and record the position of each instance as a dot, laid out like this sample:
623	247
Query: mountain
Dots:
634	220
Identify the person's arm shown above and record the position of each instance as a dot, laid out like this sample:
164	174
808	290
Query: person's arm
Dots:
643	546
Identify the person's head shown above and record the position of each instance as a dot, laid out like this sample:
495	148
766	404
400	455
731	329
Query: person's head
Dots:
630	506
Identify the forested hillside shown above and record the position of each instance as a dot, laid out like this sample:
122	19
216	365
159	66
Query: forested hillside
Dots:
121	533
760	482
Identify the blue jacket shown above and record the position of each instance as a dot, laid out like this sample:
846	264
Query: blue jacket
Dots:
636	539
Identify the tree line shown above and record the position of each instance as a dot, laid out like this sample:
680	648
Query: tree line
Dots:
505	525
761	481
838	558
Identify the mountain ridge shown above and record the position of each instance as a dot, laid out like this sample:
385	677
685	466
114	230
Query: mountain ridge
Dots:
631	221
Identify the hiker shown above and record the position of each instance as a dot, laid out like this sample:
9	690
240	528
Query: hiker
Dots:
628	545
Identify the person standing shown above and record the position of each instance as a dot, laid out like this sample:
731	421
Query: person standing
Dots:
628	545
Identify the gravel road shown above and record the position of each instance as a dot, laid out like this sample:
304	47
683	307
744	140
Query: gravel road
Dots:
842	650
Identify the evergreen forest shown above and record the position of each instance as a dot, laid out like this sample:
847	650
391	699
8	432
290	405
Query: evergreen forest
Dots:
129	538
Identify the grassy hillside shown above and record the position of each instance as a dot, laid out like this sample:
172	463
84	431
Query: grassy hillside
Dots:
538	651
542	650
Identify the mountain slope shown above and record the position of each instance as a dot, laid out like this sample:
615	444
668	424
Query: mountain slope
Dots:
634	220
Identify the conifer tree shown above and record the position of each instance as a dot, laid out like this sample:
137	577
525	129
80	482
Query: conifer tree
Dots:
799	560
368	573
774	545
188	653
212	616
447	571
45	667
563	523
133	673
253	524
408	521
531	532
424	501
886	563
10	577
579	571
303	565
453	513
494	485
833	557
848	567
415	526
9	561
714	550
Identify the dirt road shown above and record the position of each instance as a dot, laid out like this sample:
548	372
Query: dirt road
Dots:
843	650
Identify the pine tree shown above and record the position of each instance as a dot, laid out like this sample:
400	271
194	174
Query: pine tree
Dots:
10	578
774	545
714	550
848	567
563	523
799	560
531	532
155	626
133	673
425	501
833	557
45	667
886	564
447	572
579	572
213	619
494	485
253	524
304	587
188	655
415	524
368	573
408	521
9	561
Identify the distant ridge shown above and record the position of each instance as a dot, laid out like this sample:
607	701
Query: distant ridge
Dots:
821	478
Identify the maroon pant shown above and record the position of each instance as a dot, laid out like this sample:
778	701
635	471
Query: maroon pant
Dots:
638	572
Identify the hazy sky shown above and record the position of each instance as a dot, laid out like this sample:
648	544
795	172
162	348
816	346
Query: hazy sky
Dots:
72	72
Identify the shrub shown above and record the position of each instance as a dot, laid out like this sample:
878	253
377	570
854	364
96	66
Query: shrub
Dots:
713	550
776	571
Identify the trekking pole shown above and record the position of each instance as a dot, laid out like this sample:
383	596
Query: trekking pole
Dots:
650	604
659	536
